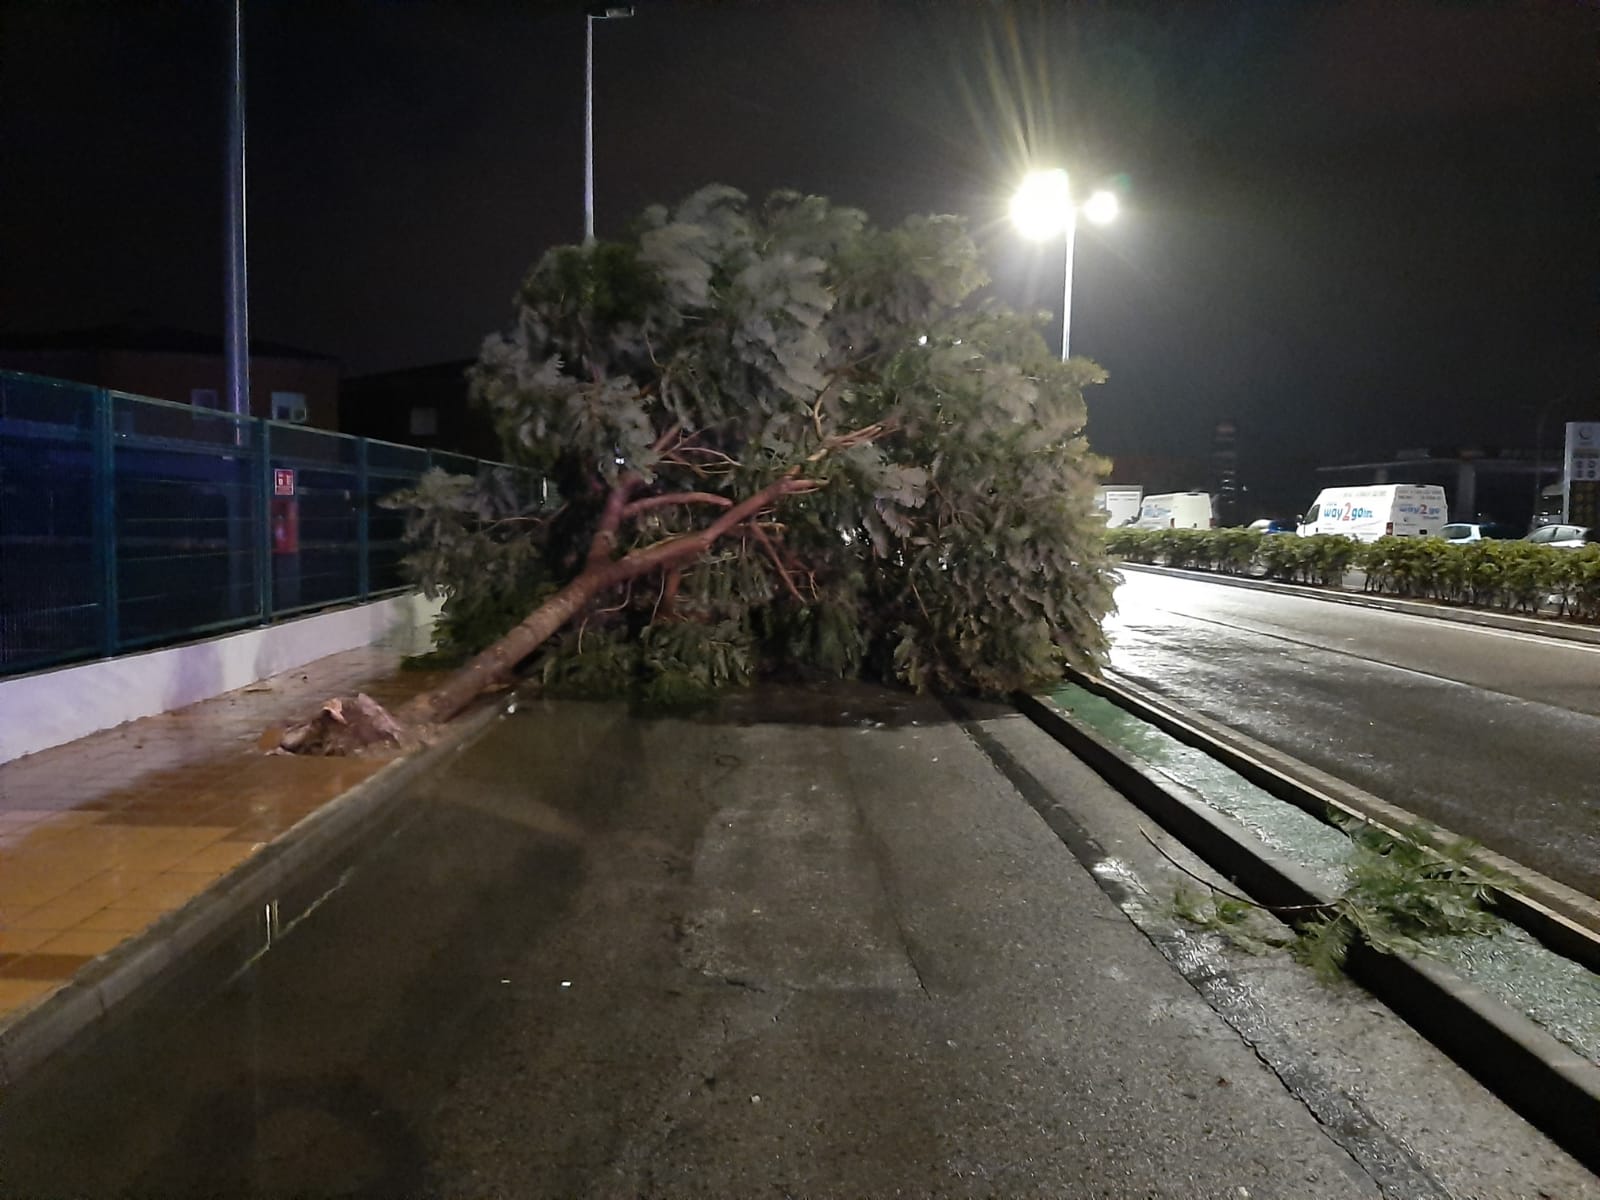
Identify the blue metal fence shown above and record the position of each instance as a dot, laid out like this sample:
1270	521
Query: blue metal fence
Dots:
128	522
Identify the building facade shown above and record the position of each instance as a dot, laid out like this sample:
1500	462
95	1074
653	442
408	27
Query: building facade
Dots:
286	383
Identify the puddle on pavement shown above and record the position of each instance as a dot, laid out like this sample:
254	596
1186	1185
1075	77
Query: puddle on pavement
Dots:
1560	995
313	1067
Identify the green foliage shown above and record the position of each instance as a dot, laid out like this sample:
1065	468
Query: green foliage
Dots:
1242	923
824	639
1577	579
586	664
664	666
1235	550
689	663
1399	893
1509	575
469	542
944	535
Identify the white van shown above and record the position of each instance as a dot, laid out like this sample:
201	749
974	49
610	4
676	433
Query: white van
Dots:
1120	504
1176	510
1377	510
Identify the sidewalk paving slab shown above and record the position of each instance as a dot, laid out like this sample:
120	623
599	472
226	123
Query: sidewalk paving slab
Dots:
104	836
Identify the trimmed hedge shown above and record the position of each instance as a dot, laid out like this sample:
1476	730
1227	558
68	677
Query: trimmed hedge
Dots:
1514	576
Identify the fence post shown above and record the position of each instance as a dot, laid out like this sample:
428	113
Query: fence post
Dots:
263	518
103	527
363	533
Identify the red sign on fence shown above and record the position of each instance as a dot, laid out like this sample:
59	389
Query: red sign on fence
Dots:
283	481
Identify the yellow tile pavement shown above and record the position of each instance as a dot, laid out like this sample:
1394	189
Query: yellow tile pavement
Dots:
102	837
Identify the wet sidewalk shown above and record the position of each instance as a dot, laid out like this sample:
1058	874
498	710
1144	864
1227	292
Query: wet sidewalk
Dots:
102	837
807	942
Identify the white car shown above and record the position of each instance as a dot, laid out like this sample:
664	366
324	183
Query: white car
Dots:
1477	532
1568	537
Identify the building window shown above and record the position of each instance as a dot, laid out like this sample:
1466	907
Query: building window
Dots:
204	398
289	406
424	421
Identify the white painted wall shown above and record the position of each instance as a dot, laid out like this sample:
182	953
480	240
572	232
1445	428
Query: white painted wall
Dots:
51	708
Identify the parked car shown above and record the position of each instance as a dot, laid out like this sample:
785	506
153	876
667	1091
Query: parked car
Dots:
1478	532
1176	510
1377	510
1120	504
1272	525
1569	537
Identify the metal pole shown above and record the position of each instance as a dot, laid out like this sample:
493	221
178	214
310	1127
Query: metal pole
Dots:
1538	457
588	127
1538	468
237	334
104	527
263	521
611	12
1066	294
363	516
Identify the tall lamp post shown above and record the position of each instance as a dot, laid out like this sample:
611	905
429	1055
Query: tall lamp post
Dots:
1043	208
236	293
610	12
1538	456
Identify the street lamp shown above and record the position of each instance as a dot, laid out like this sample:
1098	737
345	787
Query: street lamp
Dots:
1043	208
236	261
608	13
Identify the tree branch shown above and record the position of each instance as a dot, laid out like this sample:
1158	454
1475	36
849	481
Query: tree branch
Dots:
671	498
674	455
761	536
667	601
675	551
605	537
856	437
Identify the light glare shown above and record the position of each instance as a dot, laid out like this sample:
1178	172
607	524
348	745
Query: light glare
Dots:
1042	206
1101	207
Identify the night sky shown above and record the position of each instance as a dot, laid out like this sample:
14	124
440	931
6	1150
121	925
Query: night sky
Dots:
1350	227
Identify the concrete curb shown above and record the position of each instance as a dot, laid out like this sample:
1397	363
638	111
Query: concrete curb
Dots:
1549	627
1561	917
252	893
1541	1078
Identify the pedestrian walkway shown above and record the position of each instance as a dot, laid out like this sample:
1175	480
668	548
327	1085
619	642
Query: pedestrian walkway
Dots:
102	837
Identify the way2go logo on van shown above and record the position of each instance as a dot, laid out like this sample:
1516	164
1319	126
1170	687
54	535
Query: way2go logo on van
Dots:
1346	512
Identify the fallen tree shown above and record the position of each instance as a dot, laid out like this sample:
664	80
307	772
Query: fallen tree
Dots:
782	440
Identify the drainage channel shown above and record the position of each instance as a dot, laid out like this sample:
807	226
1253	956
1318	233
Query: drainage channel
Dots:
1519	1015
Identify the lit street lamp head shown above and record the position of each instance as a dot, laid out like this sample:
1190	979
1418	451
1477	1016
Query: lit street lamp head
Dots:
1101	207
1042	209
1042	206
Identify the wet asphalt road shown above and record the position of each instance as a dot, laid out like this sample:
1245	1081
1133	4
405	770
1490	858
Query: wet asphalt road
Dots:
612	957
1495	735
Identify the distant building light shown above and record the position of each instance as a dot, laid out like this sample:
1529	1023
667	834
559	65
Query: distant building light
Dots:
289	406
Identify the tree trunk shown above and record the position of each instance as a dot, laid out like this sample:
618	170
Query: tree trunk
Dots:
495	665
